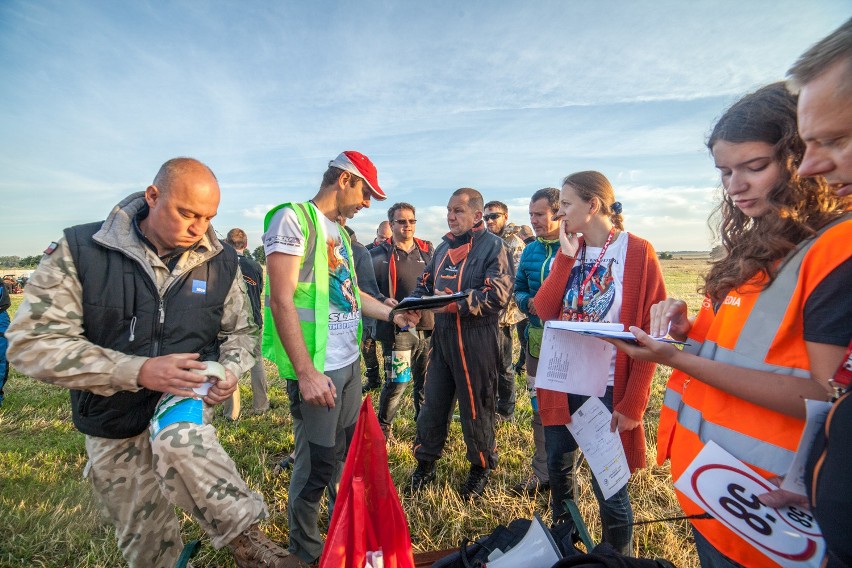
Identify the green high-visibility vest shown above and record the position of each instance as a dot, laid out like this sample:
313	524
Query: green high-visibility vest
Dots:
311	296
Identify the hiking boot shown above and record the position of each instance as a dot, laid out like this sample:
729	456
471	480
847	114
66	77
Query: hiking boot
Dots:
253	549
423	475
474	485
530	487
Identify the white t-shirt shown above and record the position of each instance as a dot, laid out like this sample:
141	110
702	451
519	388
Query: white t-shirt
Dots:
603	292
285	236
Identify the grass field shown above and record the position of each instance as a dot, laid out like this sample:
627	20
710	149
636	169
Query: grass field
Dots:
47	517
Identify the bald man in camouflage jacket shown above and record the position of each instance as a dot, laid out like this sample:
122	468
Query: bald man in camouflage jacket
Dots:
121	312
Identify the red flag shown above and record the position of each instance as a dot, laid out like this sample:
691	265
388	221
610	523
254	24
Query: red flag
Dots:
367	513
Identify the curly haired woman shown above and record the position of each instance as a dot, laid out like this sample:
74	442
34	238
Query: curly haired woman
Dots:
774	324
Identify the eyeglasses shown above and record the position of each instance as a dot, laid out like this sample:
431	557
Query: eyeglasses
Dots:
405	221
492	216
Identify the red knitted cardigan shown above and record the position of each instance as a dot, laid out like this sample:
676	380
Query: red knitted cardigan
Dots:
643	287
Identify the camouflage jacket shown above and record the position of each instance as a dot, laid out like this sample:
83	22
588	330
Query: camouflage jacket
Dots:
46	337
514	246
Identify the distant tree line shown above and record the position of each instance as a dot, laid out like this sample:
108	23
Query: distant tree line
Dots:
32	261
259	255
19	262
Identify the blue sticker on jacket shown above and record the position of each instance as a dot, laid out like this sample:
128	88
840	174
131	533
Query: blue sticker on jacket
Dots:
199	287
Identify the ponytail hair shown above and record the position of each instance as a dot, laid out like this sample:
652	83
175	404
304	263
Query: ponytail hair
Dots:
592	184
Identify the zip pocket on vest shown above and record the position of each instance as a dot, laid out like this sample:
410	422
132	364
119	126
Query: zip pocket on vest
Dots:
84	403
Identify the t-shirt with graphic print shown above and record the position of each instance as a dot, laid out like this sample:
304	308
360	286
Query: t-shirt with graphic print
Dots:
603	291
284	235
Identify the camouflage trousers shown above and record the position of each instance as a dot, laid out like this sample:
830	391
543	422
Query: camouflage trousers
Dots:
138	481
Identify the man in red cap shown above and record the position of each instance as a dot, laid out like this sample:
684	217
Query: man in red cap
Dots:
315	307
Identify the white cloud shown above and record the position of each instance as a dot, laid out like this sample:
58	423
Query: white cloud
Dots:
503	96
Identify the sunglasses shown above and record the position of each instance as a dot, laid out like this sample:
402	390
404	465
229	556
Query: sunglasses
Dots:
492	216
405	221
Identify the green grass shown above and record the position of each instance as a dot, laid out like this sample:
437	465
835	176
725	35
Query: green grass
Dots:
48	518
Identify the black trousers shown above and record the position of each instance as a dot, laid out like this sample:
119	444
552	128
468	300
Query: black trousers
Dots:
506	373
371	358
462	365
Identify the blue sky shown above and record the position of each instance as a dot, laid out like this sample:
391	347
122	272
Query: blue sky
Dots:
506	97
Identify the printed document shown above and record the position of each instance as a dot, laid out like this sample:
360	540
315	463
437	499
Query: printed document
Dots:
603	449
572	363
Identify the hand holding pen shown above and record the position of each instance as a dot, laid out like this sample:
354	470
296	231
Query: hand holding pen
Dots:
316	388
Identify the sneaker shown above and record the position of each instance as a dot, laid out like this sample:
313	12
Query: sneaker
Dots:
253	549
423	475
530	487
474	485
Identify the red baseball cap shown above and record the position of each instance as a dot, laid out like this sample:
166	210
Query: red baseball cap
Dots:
360	165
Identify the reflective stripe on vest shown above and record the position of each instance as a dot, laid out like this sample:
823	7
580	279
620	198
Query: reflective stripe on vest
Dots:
312	293
742	446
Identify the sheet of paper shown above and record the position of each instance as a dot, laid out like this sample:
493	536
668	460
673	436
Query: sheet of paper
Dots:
586	325
817	412
572	362
603	449
727	489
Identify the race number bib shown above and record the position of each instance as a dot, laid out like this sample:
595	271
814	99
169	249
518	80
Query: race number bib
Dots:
728	489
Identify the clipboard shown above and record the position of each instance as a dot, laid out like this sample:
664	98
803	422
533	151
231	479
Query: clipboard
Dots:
605	330
429	302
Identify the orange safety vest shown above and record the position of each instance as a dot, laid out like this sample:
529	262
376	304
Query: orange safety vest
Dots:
754	328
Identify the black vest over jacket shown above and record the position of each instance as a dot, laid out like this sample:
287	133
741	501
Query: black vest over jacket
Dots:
123	311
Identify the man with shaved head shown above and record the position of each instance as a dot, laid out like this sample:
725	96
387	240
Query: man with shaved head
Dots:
131	314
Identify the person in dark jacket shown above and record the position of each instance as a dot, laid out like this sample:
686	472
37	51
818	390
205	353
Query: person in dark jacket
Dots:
463	360
253	276
398	264
369	341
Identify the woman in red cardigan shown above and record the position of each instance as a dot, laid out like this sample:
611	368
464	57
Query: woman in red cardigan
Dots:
607	275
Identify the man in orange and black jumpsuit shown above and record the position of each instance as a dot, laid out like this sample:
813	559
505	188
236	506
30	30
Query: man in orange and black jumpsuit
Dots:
463	360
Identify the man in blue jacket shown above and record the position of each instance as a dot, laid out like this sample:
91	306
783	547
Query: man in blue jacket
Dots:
533	268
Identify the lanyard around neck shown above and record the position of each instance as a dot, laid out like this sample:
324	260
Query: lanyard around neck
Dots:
582	289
